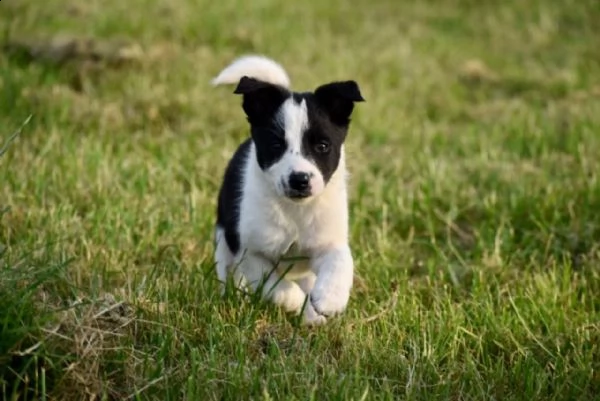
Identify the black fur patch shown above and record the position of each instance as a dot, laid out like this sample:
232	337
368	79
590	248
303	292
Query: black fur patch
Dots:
261	100
322	142
329	109
261	103
270	143
338	99
230	196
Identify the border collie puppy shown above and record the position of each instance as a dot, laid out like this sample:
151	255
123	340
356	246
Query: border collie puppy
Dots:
282	216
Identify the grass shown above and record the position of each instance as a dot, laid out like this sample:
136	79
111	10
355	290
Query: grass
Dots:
474	201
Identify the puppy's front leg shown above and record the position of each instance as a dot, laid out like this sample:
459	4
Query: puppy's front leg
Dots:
334	268
261	274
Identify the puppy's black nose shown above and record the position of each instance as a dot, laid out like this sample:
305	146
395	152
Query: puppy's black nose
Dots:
299	181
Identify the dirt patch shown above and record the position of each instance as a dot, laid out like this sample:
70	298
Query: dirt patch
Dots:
476	71
64	49
93	332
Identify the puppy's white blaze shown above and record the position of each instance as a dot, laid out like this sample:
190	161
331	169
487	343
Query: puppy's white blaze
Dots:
293	118
253	66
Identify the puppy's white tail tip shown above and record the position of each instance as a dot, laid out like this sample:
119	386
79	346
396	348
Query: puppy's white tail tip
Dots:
253	66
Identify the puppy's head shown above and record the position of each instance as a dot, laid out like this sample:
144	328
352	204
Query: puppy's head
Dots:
298	136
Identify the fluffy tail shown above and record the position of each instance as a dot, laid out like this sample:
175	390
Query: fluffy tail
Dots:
257	67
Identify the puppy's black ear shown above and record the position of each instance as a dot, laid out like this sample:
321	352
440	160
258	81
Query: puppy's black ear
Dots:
338	98
261	99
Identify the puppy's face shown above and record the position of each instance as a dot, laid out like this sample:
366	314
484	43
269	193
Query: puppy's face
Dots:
298	136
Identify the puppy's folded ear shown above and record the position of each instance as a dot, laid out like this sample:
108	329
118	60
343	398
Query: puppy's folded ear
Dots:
261	99
338	98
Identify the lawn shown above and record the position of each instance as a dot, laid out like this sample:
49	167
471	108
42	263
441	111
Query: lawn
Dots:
475	201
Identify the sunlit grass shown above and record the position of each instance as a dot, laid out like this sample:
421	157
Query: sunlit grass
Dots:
474	201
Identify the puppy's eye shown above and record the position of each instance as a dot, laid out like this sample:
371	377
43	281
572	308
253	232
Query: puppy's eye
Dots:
322	147
276	145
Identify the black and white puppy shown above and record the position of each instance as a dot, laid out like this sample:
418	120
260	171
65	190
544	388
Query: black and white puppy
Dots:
282	219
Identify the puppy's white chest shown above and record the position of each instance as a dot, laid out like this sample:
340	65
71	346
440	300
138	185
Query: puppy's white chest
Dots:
294	263
295	252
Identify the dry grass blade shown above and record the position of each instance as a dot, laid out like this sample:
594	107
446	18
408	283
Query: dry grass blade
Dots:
146	387
389	307
30	350
14	136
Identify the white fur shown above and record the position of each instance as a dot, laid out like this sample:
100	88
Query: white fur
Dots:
223	256
273	226
253	66
293	119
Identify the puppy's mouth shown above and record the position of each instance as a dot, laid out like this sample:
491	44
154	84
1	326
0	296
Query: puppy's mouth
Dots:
297	195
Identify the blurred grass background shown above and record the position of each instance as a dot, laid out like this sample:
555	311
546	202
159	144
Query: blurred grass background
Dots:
474	200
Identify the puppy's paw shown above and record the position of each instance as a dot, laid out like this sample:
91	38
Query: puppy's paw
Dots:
290	297
329	303
312	318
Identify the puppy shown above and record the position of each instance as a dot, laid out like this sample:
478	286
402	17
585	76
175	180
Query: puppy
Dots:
282	216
